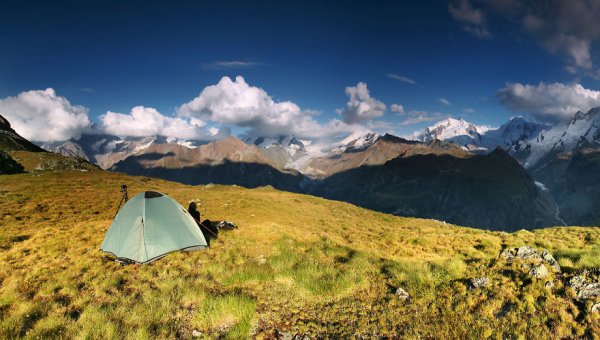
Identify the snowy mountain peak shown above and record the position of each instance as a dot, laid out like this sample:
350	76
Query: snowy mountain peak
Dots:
516	129
361	142
452	129
266	142
582	131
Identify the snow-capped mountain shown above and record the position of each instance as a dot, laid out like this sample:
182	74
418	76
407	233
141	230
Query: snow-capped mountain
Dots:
509	134
106	150
478	138
354	143
283	151
582	131
291	144
454	130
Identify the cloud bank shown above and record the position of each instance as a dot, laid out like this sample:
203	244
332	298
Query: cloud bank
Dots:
549	103
235	102
43	116
46	117
146	121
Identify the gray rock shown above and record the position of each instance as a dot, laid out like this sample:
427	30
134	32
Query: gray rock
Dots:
479	282
527	253
539	272
196	334
524	253
586	284
286	336
402	294
549	259
589	291
549	285
596	308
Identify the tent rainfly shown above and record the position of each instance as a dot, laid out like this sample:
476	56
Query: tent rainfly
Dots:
149	226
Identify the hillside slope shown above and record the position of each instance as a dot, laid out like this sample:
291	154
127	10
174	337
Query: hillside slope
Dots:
489	191
297	265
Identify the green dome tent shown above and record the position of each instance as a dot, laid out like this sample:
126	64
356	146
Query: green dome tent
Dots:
149	226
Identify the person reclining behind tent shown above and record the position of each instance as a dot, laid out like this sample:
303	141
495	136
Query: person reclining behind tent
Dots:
205	226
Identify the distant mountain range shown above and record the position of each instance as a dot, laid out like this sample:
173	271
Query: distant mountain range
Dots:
439	174
481	139
385	173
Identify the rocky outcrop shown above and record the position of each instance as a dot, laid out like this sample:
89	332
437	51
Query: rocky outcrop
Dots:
530	254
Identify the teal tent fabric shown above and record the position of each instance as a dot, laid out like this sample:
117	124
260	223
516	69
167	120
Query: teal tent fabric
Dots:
149	226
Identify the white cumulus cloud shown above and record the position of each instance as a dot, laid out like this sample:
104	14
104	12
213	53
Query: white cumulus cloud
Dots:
361	106
235	102
146	121
548	102
44	116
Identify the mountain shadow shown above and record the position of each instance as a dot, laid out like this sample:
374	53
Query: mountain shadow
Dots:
486	191
573	178
246	174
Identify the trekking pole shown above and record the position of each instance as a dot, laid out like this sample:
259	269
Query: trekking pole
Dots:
123	198
205	227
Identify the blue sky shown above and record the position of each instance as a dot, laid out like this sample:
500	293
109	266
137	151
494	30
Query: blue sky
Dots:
108	56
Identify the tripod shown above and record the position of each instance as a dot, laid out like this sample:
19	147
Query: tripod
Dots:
124	198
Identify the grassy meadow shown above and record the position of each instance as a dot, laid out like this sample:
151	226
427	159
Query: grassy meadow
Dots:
297	264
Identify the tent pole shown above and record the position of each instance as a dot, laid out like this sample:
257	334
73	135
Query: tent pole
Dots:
137	262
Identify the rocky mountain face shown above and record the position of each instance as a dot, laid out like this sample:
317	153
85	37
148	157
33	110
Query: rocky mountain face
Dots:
10	140
225	161
581	132
374	149
566	158
284	152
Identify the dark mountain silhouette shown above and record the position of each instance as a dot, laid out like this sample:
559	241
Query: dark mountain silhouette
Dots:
491	191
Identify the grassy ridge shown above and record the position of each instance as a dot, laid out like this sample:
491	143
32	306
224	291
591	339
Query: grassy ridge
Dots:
297	264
